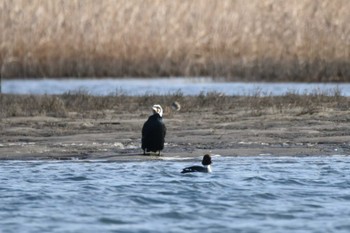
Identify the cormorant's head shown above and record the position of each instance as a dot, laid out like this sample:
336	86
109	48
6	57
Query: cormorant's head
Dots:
158	109
206	160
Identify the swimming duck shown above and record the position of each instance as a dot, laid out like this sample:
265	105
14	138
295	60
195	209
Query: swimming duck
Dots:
206	162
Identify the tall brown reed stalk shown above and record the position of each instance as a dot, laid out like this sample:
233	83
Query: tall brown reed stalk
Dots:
268	40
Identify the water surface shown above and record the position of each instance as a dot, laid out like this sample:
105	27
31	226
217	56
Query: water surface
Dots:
243	194
187	86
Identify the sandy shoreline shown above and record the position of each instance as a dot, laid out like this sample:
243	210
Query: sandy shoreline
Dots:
232	132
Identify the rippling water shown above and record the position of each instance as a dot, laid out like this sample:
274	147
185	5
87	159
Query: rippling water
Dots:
187	86
243	194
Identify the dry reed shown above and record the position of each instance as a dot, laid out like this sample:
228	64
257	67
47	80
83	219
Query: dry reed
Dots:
85	104
256	40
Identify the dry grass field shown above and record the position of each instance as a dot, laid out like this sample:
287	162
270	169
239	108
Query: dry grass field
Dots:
256	40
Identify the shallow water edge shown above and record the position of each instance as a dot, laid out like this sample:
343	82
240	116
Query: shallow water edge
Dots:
165	86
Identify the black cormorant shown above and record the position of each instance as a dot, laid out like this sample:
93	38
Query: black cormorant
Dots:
153	131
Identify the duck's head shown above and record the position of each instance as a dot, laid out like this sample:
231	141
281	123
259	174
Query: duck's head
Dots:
206	160
157	109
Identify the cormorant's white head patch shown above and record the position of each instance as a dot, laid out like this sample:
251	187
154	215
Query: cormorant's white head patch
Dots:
158	109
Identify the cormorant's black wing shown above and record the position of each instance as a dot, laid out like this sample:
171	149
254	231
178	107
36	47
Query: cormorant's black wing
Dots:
153	134
146	131
163	128
145	128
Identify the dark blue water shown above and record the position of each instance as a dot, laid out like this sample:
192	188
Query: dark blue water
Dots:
243	194
165	86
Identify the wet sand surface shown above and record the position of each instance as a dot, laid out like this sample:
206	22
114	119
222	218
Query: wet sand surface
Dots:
116	135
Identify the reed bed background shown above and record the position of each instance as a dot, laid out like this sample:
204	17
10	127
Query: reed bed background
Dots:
255	40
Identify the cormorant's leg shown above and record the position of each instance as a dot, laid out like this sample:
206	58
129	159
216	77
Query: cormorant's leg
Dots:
158	153
144	152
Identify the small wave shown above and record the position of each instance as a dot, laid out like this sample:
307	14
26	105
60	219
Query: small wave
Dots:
266	196
172	215
289	182
107	220
282	216
313	206
33	197
343	227
254	178
175	158
344	197
342	184
142	200
77	178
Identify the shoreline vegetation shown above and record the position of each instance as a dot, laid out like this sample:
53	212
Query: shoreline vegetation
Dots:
82	126
257	40
80	101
